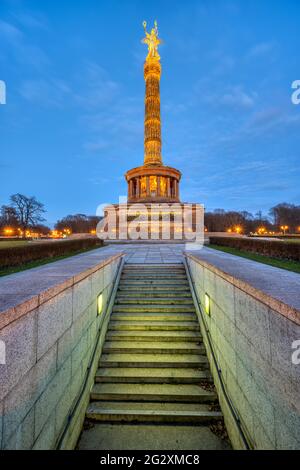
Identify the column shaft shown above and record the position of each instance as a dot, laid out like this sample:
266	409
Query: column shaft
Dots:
152	140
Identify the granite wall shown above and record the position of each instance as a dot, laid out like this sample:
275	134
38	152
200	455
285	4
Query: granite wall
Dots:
48	324
253	324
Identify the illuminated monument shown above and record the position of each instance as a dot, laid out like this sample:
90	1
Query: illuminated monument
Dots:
153	209
153	182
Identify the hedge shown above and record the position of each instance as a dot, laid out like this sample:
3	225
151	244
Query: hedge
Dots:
19	255
13	239
272	248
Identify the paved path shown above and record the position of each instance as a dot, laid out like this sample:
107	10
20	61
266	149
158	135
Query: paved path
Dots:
150	254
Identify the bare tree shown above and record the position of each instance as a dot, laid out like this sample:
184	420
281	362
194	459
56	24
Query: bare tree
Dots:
28	211
8	217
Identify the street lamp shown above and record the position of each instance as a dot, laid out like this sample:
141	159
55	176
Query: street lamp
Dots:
8	231
284	228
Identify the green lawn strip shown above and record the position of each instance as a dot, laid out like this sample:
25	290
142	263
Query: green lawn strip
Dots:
41	262
277	263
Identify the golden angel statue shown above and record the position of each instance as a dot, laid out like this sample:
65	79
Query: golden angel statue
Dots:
152	41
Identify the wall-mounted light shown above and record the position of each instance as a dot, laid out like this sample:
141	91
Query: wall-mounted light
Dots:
207	304
99	304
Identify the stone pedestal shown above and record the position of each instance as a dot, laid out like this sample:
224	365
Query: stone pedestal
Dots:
149	221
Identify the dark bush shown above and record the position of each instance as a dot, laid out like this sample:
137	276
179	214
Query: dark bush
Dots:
18	255
272	248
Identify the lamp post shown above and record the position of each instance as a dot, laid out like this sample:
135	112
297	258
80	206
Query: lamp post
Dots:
284	228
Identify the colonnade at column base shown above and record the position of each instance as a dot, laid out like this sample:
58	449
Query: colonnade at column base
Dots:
157	183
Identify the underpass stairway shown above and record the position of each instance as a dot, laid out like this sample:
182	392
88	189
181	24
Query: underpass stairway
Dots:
153	368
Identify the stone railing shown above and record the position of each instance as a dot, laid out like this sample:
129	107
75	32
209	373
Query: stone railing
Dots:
253	325
49	321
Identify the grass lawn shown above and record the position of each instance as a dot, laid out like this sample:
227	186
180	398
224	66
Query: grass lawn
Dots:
277	263
11	243
41	262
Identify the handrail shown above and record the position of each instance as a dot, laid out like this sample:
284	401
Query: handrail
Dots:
197	303
95	350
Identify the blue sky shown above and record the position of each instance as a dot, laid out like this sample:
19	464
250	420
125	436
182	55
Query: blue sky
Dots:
73	122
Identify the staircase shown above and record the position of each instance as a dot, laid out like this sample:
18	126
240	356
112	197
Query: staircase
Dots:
153	367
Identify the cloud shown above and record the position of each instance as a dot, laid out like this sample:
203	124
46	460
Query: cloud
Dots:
269	119
10	33
261	50
30	20
266	117
99	180
237	98
23	50
252	166
92	90
95	146
237	171
225	65
234	98
52	92
118	122
4	165
174	108
96	87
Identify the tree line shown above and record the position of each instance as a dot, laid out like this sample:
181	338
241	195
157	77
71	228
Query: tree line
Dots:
78	223
282	215
24	213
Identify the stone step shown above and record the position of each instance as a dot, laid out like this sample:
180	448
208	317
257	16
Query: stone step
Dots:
154	336
153	294
156	270
157	308
145	267
153	288
153	272
153	437
96	412
120	300
158	265
153	282
153	361
140	325
154	316
153	267
158	406
188	393
162	347
152	375
168	273
153	277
